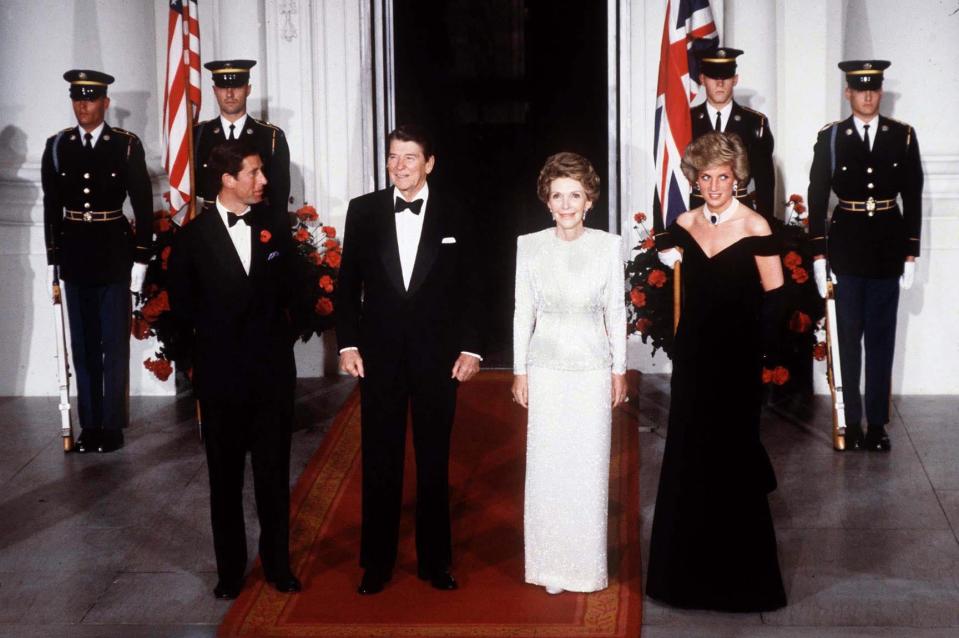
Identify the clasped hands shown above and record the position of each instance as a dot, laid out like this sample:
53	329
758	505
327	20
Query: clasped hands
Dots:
521	389
464	369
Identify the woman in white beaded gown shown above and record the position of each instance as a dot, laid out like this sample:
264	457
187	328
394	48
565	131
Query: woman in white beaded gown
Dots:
569	359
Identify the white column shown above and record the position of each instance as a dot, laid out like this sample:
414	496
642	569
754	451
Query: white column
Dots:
318	70
750	25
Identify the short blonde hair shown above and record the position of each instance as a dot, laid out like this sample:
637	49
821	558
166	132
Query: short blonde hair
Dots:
716	149
573	166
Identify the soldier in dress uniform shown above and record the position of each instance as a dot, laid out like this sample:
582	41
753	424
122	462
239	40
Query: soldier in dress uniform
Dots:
231	86
720	112
87	172
868	161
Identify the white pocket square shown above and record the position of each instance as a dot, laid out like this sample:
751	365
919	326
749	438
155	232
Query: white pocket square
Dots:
449	240
273	255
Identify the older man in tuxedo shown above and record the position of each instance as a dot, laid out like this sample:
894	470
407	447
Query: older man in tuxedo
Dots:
230	280
407	317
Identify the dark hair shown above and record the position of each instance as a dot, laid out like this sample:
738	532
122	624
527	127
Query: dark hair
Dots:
573	166
715	149
412	133
227	157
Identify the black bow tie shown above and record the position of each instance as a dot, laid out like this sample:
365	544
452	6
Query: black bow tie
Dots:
401	204
233	218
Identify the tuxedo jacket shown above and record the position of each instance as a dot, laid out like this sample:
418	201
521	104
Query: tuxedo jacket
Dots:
753	129
425	327
270	143
243	335
81	180
862	244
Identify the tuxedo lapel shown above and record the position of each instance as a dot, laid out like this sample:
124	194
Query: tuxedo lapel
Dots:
222	250
385	220
429	242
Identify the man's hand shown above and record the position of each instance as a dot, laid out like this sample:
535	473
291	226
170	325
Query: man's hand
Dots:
669	257
137	274
618	389
352	363
50	278
908	276
521	390
466	367
819	274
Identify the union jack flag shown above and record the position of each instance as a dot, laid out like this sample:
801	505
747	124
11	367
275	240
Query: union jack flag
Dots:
181	99
688	28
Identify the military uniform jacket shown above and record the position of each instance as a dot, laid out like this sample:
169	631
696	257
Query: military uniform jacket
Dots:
859	243
753	128
78	179
271	144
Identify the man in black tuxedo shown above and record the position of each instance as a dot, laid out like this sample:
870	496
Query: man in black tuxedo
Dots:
231	88
720	112
407	317
230	280
870	162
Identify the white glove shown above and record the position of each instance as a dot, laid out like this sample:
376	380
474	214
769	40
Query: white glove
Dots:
819	274
908	275
670	257
137	274
50	277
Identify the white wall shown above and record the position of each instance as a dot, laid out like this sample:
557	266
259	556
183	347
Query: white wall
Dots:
313	79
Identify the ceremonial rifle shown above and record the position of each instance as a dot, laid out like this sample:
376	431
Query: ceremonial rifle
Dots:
834	369
63	365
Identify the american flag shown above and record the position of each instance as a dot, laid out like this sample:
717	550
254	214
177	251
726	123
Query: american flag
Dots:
688	28
181	101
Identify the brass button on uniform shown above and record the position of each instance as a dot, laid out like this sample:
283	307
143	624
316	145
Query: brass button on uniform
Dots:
869	185
86	191
869	170
86	176
86	204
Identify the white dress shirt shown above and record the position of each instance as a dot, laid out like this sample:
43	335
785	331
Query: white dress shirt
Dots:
95	133
409	227
240	234
861	129
725	113
237	126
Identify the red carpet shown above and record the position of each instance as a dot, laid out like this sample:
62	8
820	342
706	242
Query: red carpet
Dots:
487	474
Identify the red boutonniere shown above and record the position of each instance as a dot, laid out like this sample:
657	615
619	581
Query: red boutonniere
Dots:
265	236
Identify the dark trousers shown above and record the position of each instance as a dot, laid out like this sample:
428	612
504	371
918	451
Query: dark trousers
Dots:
431	400
99	318
229	431
866	315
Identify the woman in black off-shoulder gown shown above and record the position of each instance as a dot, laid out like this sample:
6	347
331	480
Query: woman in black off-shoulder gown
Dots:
713	545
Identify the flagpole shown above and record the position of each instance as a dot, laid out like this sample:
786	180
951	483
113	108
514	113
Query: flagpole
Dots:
191	203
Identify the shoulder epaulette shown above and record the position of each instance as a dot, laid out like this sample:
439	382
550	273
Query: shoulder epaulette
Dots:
899	122
122	131
829	126
753	111
61	132
267	124
205	122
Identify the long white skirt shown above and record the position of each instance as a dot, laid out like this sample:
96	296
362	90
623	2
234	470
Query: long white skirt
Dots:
567	478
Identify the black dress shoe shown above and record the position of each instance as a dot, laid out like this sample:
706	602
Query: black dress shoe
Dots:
442	579
877	440
227	590
110	441
87	441
373	582
287	585
854	438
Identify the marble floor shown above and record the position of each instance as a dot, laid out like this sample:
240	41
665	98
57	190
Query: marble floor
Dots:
119	545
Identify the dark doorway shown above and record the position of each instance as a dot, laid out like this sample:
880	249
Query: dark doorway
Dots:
503	84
